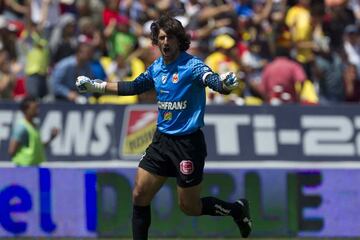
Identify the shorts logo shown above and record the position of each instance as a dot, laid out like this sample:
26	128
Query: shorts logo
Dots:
186	167
163	79
175	78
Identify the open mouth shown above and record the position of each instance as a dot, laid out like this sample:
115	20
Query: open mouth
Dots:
166	49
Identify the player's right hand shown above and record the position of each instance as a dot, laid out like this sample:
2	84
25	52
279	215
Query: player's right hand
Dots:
87	85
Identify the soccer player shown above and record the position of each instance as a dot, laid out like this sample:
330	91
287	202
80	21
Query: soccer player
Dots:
178	148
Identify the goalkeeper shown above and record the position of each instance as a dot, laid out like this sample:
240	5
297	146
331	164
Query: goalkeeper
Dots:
178	148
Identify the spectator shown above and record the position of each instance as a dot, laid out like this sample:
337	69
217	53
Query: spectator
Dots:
201	35
278	10
17	9
7	79
207	21
26	147
354	5
334	3
261	28
243	9
110	11
337	18
298	19
328	74
89	32
252	64
223	60
63	40
35	49
8	37
279	79
135	9
122	69
45	14
2	6
261	12
116	27
66	71
142	11
352	45
352	84
119	37
90	8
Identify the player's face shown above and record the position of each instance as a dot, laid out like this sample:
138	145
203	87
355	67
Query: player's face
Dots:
168	45
33	109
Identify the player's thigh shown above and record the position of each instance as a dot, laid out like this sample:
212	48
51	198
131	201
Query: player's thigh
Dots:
189	199
146	186
188	157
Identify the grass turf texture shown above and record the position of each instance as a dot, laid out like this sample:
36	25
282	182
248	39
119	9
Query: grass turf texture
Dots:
20	238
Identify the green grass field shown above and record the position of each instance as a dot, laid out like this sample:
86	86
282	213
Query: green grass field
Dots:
19	238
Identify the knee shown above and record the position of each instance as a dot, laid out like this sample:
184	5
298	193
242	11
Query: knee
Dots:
139	196
190	208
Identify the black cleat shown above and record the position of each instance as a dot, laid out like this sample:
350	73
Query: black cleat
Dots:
243	220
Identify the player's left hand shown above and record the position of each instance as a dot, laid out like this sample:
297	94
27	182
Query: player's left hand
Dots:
230	81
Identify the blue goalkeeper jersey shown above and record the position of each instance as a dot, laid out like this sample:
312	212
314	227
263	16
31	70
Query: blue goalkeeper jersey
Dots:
180	88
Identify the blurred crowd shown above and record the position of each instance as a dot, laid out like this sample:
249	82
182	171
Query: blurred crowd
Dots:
283	51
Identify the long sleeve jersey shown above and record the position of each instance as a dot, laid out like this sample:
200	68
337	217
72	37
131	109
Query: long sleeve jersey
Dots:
180	89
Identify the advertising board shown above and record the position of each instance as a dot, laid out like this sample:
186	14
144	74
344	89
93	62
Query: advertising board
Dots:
97	202
233	133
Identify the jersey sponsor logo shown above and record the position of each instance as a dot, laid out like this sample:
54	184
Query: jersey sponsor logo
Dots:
167	116
186	167
163	79
179	105
175	78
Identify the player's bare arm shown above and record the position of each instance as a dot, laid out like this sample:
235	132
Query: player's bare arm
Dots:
111	88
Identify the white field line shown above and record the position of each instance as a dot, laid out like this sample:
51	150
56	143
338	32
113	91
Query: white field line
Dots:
208	164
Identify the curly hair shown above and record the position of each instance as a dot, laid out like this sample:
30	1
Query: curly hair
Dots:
171	26
25	103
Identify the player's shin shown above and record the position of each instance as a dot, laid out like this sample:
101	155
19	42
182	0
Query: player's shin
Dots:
141	220
215	207
239	211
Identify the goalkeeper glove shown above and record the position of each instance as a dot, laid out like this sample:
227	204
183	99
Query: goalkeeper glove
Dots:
87	85
229	80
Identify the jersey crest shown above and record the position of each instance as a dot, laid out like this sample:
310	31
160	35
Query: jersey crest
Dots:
163	79
175	78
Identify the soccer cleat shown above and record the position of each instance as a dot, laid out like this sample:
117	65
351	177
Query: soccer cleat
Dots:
243	220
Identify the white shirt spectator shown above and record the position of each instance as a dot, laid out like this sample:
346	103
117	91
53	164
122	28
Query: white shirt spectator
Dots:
45	12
